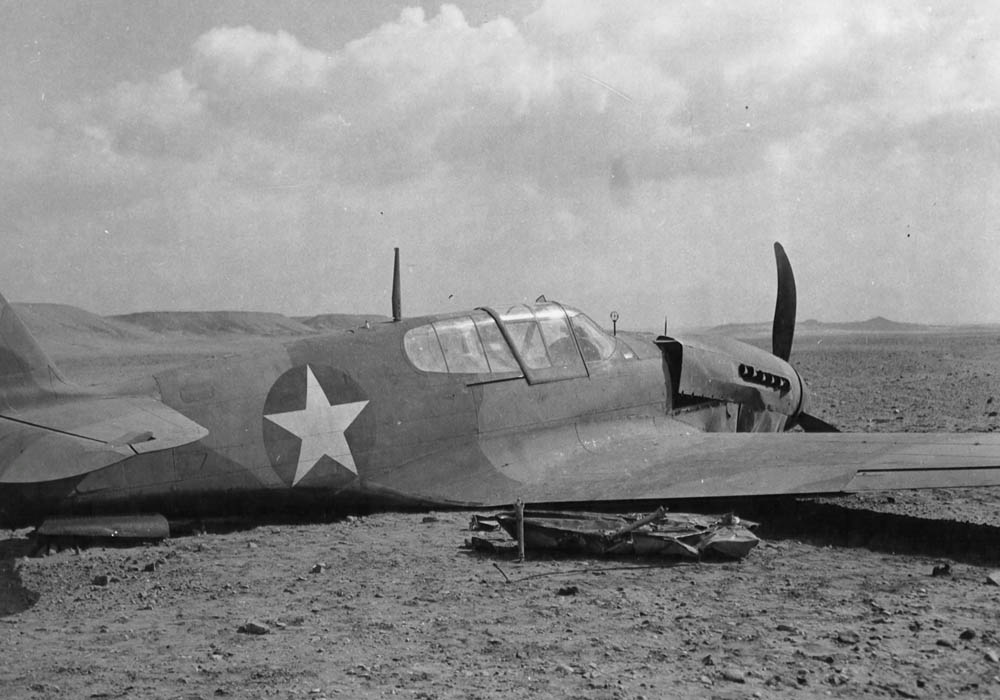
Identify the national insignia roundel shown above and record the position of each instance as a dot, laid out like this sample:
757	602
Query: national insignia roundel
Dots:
318	426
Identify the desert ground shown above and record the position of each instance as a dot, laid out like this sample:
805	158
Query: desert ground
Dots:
838	601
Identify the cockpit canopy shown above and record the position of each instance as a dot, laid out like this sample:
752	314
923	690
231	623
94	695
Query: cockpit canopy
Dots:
544	342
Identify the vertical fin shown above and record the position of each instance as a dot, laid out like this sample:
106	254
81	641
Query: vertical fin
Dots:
26	372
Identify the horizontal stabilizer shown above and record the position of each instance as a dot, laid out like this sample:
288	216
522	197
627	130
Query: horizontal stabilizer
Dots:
76	435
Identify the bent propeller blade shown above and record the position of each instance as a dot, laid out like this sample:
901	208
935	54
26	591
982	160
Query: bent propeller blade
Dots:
812	424
783	330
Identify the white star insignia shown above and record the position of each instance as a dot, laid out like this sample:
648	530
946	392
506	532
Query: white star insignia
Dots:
320	426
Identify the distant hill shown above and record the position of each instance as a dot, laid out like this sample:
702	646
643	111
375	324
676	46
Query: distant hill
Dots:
51	320
64	321
61	321
216	322
879	324
339	322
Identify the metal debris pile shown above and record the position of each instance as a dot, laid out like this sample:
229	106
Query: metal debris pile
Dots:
684	535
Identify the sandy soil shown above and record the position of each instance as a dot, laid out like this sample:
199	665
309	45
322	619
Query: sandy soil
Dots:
392	604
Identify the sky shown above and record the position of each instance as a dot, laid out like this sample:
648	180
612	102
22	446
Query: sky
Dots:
632	156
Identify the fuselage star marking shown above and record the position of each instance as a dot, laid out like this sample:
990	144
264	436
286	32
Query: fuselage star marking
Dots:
320	426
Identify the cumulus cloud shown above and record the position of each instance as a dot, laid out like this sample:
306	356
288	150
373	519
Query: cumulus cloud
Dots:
246	63
574	87
388	105
673	126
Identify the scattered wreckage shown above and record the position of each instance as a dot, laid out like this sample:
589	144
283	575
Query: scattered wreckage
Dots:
683	535
661	533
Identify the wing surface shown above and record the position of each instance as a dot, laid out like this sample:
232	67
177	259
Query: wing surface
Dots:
647	459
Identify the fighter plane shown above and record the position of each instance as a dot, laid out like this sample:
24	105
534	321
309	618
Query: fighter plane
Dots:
478	408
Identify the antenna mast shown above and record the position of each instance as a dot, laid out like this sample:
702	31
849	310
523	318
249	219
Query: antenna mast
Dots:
397	304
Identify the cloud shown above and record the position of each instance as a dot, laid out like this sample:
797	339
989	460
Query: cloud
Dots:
387	106
244	63
571	90
688	131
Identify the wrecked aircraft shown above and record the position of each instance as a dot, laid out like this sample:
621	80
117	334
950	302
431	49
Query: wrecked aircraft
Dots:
470	409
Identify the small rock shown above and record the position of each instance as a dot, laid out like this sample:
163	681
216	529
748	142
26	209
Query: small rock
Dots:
705	680
151	566
992	656
100	580
430	519
943	569
568	590
945	643
967	635
786	628
993	578
734	675
252	627
565	668
848	637
252	545
318	569
708	660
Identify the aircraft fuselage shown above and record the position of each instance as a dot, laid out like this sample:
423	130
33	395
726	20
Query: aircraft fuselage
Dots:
351	418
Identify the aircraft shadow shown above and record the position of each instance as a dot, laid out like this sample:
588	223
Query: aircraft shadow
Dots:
15	597
833	524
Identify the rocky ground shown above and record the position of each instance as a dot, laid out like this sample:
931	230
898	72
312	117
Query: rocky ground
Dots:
392	604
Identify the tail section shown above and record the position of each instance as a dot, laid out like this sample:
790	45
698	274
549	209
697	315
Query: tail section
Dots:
52	430
26	372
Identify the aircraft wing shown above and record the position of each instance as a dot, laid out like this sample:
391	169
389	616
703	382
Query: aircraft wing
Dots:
71	436
632	460
750	464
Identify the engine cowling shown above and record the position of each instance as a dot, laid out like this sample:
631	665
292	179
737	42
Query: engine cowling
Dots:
727	370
